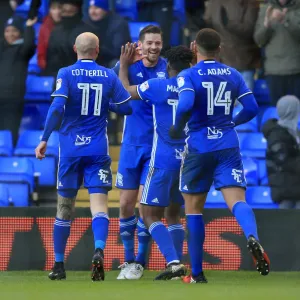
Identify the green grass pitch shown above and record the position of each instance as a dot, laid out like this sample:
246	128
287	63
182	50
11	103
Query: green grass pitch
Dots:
222	285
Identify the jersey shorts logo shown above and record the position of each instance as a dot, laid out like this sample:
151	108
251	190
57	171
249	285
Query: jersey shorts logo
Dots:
139	75
180	82
58	83
237	175
161	75
119	179
82	140
213	133
179	154
144	86
103	175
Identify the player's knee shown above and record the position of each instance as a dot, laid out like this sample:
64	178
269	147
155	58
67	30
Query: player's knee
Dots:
172	214
128	201
65	207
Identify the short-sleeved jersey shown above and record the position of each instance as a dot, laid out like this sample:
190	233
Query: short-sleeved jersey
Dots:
216	88
138	127
88	88
163	95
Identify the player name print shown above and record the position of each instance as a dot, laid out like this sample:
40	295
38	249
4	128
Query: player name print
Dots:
219	71
90	73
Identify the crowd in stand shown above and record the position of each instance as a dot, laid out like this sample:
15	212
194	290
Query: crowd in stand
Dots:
260	39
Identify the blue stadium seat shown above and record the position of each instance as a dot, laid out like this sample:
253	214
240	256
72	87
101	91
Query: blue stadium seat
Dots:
254	145
260	197
179	11
39	88
127	9
33	66
31	119
4	196
261	92
262	171
23	9
251	171
18	174
30	139
215	199
250	126
270	113
6	144
136	27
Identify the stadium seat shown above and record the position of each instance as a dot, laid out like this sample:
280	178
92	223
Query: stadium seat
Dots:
127	9
261	92
31	119
18	174
4	196
33	67
260	197
270	113
23	9
215	199
136	27
262	171
254	145
251	171
250	126
179	11
39	88
6	144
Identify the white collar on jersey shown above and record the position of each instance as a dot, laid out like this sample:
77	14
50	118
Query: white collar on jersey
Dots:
86	60
209	61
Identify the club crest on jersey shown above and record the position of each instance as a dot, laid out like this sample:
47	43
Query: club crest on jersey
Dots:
58	83
144	86
180	82
161	75
213	133
82	140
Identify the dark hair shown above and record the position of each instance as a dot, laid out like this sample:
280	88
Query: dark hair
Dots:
208	41
149	29
179	58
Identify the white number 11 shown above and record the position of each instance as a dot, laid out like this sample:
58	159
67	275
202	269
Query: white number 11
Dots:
85	87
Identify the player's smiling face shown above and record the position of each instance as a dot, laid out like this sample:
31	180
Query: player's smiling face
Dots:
151	46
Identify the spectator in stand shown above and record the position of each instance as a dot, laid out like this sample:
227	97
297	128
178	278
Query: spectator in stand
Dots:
235	21
60	51
195	13
111	29
49	22
16	49
159	11
283	154
278	31
7	8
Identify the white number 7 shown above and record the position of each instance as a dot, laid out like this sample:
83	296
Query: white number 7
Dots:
217	101
85	87
174	104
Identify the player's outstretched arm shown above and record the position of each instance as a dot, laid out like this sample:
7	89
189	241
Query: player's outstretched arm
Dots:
249	111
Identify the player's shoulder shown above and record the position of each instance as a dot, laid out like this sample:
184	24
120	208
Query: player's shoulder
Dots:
65	70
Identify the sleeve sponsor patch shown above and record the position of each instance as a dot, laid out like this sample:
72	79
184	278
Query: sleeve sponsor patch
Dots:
144	86
180	82
58	83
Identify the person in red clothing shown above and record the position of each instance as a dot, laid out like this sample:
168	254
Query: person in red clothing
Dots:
49	22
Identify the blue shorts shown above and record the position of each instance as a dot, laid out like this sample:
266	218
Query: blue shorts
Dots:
199	171
161	188
94	171
133	166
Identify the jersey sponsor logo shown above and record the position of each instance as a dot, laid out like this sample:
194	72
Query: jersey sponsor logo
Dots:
139	75
237	175
155	200
119	179
144	86
179	153
180	82
82	140
213	133
58	83
103	174
161	75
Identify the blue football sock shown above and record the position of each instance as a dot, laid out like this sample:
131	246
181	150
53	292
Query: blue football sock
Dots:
100	224
246	218
196	235
163	239
177	233
127	230
61	232
143	239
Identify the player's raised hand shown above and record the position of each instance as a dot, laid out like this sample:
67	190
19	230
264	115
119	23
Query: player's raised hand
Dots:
31	22
130	54
40	150
194	50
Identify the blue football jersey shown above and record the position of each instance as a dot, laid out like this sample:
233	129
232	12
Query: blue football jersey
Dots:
89	89
163	95
138	127
216	88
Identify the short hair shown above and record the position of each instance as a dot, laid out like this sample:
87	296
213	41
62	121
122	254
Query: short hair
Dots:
179	57
149	29
208	41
